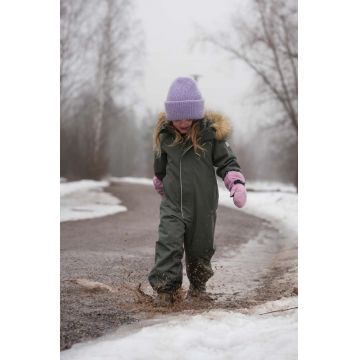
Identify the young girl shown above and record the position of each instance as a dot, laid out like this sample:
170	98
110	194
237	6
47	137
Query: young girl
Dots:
188	144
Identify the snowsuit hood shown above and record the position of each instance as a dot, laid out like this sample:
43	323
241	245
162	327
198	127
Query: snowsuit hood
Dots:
213	121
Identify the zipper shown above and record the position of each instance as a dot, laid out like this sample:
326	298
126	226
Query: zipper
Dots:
181	202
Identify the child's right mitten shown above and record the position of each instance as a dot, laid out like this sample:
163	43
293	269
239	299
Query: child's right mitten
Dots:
158	185
235	183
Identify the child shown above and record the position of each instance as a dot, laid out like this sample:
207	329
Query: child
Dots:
188	144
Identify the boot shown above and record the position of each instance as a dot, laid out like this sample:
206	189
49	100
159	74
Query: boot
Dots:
198	293
164	299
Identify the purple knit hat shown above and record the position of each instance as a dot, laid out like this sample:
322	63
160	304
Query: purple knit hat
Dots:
184	100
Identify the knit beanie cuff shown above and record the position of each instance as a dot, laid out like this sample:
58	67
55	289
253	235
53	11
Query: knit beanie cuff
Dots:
184	110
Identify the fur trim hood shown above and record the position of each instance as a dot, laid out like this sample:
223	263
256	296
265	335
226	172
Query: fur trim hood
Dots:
219	123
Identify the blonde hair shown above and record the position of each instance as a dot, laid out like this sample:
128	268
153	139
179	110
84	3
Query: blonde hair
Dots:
193	135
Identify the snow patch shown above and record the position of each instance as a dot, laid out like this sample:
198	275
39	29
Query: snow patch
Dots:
85	199
270	186
278	207
81	185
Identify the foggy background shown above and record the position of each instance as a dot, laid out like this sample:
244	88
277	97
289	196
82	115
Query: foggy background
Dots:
119	57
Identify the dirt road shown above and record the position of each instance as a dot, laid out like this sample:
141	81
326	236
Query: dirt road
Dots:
250	264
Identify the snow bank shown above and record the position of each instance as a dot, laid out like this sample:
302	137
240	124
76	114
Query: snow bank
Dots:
81	185
213	335
85	199
281	208
270	186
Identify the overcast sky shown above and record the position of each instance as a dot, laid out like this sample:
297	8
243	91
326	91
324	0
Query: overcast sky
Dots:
169	26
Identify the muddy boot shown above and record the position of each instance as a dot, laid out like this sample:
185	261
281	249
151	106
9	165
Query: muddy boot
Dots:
198	294
164	299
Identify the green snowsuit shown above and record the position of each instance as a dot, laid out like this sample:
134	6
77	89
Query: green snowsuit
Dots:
188	208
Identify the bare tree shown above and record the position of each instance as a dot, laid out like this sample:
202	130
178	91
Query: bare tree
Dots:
264	38
112	63
99	41
267	43
73	43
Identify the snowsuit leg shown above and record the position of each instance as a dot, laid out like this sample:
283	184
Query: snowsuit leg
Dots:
166	275
199	249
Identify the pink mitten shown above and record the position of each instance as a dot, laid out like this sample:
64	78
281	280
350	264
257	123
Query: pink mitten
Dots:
158	185
235	183
238	192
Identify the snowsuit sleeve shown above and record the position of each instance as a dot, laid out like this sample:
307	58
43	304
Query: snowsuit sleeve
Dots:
223	158
160	165
160	162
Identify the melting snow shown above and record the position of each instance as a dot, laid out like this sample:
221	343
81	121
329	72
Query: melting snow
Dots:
85	199
212	335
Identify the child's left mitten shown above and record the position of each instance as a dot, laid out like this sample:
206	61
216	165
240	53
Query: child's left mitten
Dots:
235	183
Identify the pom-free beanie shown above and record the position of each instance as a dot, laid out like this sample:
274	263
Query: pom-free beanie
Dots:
184	100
